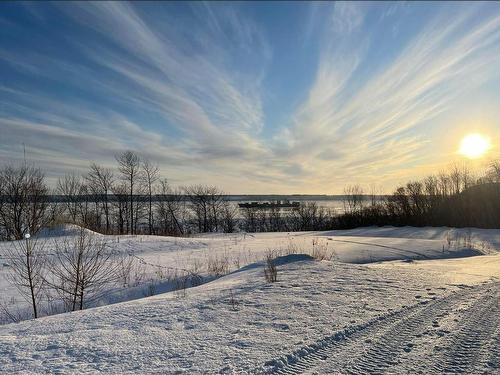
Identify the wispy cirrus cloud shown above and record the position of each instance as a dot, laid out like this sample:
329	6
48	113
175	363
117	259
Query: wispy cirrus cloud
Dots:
373	129
186	85
192	89
204	108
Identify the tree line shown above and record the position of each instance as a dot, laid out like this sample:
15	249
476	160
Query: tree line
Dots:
455	198
134	199
110	201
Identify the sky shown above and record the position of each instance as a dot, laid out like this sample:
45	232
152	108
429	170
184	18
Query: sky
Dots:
253	97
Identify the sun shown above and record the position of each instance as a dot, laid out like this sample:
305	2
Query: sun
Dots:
474	145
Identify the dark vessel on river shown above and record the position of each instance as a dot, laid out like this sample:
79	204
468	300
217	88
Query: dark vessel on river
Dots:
270	205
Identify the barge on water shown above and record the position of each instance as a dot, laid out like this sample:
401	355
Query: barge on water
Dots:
269	205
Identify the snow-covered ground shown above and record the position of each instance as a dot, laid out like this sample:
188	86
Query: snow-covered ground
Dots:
391	300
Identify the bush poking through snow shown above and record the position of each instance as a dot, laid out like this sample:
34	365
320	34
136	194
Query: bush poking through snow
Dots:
218	266
292	248
151	290
464	240
232	301
181	284
270	270
125	265
320	250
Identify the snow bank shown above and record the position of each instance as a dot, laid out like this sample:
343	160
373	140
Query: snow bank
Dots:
64	230
290	258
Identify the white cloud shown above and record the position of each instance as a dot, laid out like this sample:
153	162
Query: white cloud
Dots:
200	87
343	133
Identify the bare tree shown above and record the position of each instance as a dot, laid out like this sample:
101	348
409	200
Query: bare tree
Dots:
70	188
199	205
27	266
431	188
150	176
206	203
171	209
494	171
444	184
217	200
83	207
401	202
467	177
229	216
81	268
102	180
250	218
129	166
456	179
310	216
374	194
24	200
121	207
353	198
55	212
416	197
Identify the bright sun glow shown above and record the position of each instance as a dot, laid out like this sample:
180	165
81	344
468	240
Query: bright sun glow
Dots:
474	146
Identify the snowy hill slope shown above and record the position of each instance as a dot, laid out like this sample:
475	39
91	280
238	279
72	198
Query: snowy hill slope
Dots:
160	257
239	323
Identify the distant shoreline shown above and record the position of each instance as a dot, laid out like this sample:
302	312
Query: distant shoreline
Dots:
230	197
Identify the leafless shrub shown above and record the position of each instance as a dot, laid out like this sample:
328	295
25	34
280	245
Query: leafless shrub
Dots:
320	250
139	273
27	267
10	313
160	272
467	239
125	266
52	305
270	269
291	248
217	265
449	240
195	266
181	284
237	261
150	290
81	268
232	301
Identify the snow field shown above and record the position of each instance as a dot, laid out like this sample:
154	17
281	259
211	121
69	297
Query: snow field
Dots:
342	315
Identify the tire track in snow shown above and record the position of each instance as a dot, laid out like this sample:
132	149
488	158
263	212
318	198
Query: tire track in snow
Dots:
493	359
468	348
423	256
377	344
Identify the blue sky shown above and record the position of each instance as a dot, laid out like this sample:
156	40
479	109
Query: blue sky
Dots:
253	97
